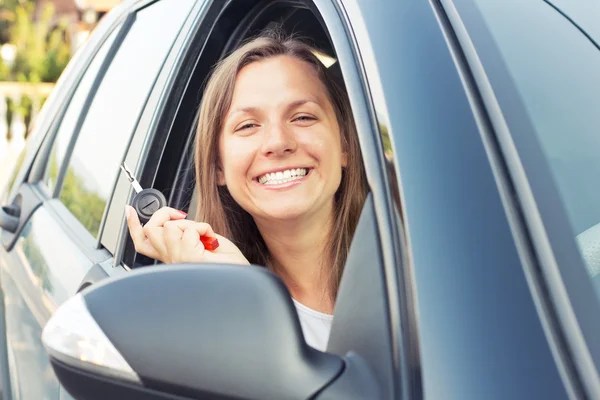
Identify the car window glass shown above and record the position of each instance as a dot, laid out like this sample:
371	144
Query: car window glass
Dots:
556	70
69	120
116	108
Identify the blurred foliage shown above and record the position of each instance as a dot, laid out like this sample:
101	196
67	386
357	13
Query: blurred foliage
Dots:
4	71
7	10
42	51
25	108
385	136
10	110
16	168
52	172
85	205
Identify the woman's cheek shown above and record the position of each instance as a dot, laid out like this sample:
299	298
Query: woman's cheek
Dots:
318	143
238	156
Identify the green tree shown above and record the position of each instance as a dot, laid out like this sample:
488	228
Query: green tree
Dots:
387	143
4	71
42	52
86	206
7	16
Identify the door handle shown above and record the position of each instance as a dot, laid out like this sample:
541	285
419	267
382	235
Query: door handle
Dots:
9	218
15	215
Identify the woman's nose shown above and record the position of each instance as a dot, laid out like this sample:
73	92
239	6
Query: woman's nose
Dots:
278	140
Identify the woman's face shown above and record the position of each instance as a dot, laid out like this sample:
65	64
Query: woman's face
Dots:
280	147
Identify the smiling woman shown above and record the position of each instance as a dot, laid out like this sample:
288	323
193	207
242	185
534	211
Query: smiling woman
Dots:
280	176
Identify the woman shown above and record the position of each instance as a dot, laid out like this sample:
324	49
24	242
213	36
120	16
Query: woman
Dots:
279	174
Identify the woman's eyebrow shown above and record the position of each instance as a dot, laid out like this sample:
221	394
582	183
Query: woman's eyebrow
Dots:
248	110
292	105
300	102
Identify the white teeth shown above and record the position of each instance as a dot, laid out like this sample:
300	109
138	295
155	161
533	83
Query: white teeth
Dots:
277	178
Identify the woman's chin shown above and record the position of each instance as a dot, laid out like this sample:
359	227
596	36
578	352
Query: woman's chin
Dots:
281	212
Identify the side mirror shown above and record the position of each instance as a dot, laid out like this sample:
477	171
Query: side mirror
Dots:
206	331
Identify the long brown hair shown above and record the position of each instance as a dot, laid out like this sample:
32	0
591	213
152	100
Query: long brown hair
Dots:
217	207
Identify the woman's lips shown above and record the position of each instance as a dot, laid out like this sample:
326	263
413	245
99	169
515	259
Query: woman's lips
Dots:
291	183
283	174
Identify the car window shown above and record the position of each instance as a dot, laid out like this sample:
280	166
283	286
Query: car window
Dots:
115	109
72	113
556	70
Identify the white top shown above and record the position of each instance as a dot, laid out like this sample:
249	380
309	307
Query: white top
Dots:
315	326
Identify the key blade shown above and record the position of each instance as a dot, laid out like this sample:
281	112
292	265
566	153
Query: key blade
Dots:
131	179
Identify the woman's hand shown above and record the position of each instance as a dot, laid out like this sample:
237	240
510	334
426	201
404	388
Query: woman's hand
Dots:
170	238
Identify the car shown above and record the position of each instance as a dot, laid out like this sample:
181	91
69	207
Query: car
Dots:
473	273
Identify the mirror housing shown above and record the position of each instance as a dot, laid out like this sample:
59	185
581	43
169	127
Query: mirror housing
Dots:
216	331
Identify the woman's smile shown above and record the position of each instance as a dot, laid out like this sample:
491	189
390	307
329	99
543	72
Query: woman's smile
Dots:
283	178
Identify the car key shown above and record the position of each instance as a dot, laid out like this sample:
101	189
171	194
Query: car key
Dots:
147	201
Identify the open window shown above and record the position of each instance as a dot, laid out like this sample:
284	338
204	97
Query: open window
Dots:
170	164
370	287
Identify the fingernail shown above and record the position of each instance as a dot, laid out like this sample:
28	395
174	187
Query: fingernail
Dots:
183	212
126	211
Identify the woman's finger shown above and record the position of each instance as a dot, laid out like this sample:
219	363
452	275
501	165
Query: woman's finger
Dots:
136	231
154	228
163	215
190	242
183	240
202	228
172	235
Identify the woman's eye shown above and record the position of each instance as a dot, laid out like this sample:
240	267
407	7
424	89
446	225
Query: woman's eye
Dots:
304	118
245	126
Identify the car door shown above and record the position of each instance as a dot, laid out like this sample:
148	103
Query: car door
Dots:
444	293
466	317
25	284
57	249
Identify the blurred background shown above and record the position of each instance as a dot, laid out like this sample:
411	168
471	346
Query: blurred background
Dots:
37	40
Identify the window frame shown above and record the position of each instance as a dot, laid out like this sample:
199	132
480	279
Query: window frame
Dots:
106	63
114	232
337	27
80	117
148	155
120	25
84	239
40	163
152	171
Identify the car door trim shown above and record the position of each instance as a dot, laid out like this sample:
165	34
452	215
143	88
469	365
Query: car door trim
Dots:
341	32
197	14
